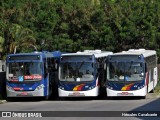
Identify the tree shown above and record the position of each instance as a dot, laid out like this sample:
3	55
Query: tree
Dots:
75	25
22	39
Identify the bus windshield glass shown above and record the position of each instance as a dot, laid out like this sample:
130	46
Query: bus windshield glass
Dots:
76	71
125	71
17	69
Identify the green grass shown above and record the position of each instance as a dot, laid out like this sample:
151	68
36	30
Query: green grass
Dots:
157	88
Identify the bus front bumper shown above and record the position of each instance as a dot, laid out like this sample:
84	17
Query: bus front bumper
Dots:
140	92
13	93
89	93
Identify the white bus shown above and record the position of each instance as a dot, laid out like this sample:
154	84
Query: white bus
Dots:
82	74
132	73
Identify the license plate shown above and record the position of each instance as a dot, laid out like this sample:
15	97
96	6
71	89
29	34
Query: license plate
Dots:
76	94
124	94
24	93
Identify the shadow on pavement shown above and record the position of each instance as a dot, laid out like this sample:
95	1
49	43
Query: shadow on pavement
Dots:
24	99
149	111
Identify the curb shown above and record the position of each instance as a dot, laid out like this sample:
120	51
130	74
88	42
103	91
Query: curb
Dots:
2	101
153	95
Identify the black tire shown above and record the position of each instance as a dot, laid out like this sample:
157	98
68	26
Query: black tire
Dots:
144	97
102	92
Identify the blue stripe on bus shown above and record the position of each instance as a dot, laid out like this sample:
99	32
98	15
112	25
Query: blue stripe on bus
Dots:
24	86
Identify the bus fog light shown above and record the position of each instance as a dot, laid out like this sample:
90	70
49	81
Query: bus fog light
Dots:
39	87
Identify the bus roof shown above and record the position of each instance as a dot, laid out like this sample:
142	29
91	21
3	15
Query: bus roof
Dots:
97	53
46	53
143	52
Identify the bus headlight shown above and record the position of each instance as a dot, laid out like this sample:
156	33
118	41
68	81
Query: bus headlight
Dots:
140	87
109	87
93	86
39	87
60	87
9	88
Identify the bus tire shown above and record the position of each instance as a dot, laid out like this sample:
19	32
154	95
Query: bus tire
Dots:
46	97
152	91
144	97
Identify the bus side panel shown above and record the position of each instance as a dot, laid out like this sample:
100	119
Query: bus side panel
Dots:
150	82
152	79
155	76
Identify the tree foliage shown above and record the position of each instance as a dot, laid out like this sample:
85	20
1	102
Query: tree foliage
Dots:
75	25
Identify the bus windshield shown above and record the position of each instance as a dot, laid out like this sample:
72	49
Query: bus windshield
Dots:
25	68
125	71
76	71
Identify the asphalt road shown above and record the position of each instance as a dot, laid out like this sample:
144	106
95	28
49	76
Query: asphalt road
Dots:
84	105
